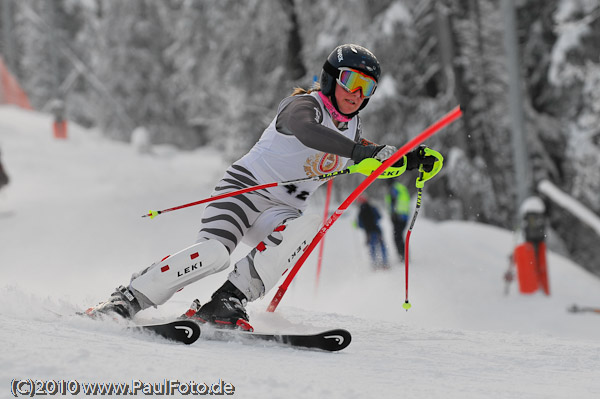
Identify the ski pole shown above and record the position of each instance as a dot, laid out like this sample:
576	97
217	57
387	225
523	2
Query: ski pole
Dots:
420	138
152	214
582	309
420	183
365	167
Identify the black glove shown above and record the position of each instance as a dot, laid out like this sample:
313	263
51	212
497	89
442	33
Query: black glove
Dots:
417	157
379	152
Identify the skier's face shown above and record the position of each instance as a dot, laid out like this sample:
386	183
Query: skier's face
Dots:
348	103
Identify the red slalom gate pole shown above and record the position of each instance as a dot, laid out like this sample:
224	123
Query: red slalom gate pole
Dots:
321	247
420	138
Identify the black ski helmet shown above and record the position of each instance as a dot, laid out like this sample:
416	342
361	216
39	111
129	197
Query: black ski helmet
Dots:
349	56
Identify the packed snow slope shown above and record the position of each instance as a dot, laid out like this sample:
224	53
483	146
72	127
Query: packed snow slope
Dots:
71	231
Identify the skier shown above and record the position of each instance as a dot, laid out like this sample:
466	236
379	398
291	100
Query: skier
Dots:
368	220
314	132
59	126
398	201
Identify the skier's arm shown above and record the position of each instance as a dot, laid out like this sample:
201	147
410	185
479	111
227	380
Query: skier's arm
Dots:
302	118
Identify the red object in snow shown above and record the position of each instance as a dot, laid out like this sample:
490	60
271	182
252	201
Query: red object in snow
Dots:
532	272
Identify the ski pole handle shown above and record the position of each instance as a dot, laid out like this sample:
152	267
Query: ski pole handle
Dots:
437	166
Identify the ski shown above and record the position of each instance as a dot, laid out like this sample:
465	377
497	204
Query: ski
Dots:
184	331
188	331
331	340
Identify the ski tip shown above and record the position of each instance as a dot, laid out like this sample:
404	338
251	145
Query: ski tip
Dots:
335	340
184	331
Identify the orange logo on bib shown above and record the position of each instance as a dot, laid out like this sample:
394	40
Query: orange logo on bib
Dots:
321	164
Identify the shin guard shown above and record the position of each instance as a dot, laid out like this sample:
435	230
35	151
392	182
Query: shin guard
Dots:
160	281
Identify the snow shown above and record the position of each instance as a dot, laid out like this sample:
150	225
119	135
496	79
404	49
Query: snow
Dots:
71	230
569	37
570	204
532	205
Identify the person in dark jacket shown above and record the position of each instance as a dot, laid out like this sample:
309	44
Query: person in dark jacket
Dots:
368	220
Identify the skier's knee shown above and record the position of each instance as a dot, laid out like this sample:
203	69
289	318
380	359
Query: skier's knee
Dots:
274	256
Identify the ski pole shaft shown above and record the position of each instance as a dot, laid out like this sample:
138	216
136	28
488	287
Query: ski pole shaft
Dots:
420	183
153	214
407	304
593	310
420	138
365	167
582	309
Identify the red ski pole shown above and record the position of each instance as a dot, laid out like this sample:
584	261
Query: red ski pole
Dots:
153	214
364	167
406	305
420	138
